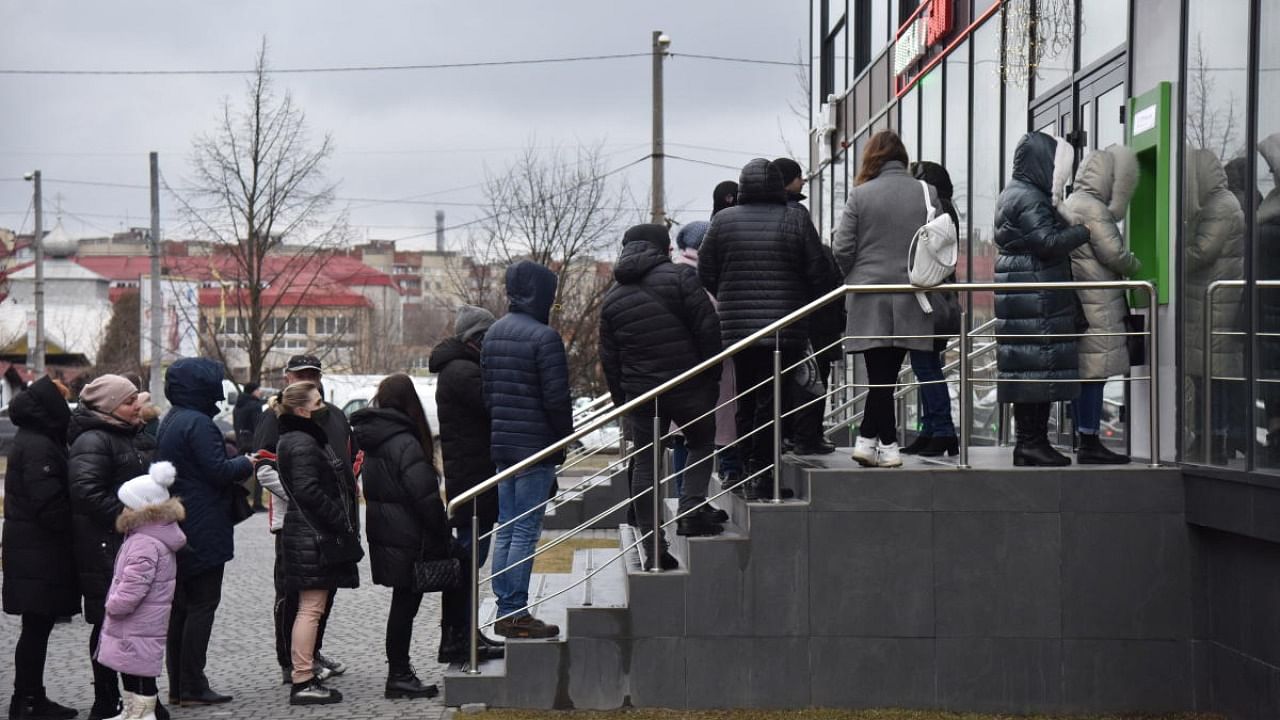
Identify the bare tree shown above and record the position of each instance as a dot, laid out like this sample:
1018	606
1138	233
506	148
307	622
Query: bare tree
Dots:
258	184
562	210
1209	125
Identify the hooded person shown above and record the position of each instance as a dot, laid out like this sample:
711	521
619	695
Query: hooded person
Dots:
207	478
141	595
1213	250
761	260
656	322
1103	186
724	196
39	562
108	448
792	181
1268	268
1035	246
526	390
464	421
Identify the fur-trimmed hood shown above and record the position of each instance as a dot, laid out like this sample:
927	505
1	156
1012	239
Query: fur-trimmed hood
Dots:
1110	175
159	521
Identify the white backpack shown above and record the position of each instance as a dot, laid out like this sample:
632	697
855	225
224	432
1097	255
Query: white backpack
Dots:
931	259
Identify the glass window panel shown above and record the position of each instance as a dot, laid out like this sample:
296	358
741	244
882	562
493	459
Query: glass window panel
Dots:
879	25
1267	244
909	122
957	145
985	180
1109	130
1216	428
931	116
1104	26
1056	47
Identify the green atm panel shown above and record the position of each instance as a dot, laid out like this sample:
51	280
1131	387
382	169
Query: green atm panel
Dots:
1150	133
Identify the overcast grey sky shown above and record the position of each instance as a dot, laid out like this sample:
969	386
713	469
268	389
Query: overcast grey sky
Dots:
397	134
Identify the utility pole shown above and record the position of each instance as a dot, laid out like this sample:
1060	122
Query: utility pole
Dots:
440	231
660	44
157	300
35	349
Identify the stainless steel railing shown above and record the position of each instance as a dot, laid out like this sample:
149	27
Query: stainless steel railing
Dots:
774	329
1206	391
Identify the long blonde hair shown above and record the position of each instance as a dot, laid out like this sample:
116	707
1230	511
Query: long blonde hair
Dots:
295	396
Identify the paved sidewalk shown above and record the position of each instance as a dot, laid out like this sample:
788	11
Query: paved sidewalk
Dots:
242	656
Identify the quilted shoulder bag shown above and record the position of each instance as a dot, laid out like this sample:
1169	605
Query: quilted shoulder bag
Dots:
931	258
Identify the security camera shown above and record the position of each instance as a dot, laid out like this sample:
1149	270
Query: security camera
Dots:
28	176
664	41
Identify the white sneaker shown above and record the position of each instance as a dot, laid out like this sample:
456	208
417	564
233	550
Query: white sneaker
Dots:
888	455
864	451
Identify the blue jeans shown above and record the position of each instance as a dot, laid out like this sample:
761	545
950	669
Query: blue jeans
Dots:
519	539
1088	408
679	458
728	460
463	537
935	399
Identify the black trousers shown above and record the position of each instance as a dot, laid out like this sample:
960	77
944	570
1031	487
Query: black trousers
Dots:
139	685
878	418
30	652
692	411
808	425
106	684
195	602
454	612
285	609
755	409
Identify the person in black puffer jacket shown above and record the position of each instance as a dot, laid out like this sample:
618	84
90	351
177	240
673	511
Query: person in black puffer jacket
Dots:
108	448
655	323
464	422
322	503
1035	246
39	565
406	522
761	260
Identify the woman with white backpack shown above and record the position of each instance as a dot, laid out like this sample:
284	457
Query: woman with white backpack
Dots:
885	209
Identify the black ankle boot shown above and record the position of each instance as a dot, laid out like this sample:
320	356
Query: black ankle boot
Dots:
404	683
38	706
455	649
920	443
1038	453
1093	452
939	446
105	707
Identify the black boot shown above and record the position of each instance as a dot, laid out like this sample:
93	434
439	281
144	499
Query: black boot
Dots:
817	446
1093	452
698	525
38	706
1031	422
667	561
404	683
939	446
455	649
920	443
105	706
1038	453
760	489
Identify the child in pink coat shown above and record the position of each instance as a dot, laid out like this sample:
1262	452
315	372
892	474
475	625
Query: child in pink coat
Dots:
138	603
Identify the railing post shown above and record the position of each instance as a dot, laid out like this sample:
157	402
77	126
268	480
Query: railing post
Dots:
777	417
656	522
473	665
964	387
1206	382
1153	356
1002	424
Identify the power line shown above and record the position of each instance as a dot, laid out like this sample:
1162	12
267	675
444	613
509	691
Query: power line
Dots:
704	162
749	61
333	69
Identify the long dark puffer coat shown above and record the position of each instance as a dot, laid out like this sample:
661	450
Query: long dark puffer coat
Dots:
321	501
1268	268
525	370
655	323
39	563
192	442
104	456
1035	246
464	428
404	517
762	259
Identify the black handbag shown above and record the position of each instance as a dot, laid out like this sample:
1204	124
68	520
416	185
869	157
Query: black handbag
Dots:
1137	344
335	548
241	510
431	576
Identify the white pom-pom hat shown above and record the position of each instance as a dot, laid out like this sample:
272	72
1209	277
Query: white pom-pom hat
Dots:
149	489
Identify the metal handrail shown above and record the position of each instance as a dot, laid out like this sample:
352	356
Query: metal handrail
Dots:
1206	392
751	340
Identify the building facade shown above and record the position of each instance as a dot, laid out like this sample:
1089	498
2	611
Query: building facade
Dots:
1194	87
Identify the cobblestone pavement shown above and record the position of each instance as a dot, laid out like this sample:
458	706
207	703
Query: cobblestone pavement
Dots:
242	656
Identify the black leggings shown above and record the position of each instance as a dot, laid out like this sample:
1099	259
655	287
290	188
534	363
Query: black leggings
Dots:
105	685
29	654
139	685
878	419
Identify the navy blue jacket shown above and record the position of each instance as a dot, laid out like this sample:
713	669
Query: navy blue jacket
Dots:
525	371
192	442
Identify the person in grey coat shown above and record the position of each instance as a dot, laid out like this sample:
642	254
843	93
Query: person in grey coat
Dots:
1104	185
883	212
1213	250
